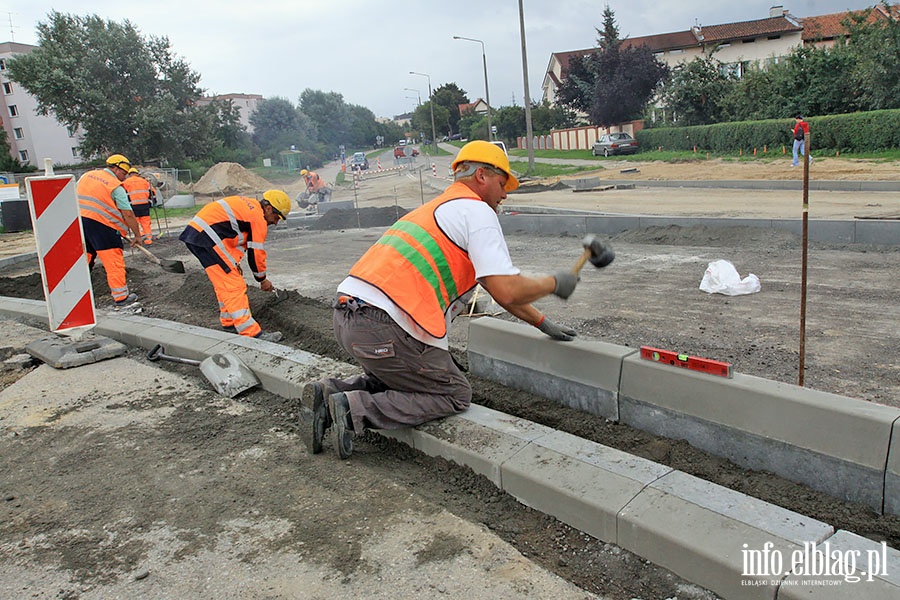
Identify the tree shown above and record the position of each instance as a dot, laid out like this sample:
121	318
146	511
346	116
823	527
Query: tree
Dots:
127	93
278	125
696	91
614	83
876	48
330	114
448	96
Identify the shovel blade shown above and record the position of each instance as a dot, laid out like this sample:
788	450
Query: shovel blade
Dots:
173	266
228	374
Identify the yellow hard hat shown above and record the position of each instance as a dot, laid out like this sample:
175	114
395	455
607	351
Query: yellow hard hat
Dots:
118	160
489	154
279	201
304	172
133	170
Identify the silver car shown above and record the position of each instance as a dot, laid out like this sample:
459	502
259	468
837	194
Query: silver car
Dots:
614	143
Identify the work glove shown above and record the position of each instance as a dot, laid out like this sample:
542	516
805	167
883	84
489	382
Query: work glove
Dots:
563	334
565	283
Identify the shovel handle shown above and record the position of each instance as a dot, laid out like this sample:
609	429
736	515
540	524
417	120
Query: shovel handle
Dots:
148	254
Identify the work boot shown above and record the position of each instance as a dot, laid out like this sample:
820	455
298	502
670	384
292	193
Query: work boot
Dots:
127	301
269	336
341	426
315	417
229	328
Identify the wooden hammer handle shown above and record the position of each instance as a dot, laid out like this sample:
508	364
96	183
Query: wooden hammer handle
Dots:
585	256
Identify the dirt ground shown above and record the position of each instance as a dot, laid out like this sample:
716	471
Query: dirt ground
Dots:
649	296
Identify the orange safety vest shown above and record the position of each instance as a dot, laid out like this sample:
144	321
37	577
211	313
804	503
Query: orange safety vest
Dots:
235	224
95	199
418	267
138	190
314	182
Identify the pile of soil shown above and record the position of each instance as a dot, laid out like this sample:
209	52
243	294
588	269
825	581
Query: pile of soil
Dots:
229	179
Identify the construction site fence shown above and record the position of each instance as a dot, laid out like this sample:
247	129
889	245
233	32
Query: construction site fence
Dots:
854	132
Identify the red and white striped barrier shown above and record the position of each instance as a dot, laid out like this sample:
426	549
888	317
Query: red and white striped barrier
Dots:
60	249
433	170
378	161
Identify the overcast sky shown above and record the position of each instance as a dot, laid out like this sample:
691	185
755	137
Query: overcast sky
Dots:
364	50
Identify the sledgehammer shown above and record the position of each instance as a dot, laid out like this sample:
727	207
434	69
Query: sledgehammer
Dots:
595	250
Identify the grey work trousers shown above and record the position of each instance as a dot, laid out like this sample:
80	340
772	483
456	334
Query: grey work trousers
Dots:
406	383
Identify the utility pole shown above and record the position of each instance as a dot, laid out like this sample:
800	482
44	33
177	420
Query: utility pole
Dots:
528	129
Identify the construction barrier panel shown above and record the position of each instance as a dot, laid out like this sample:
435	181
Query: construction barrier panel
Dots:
60	249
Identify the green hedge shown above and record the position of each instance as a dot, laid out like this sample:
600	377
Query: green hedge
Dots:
854	132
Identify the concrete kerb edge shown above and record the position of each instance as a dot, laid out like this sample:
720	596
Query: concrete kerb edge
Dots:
497	351
530	437
836	231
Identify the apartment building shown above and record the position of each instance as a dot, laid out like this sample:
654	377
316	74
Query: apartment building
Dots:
32	137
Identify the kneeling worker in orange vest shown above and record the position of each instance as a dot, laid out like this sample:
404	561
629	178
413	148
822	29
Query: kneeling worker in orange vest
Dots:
393	312
219	235
106	218
139	192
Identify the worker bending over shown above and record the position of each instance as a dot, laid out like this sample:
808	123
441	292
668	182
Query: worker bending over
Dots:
315	186
139	193
219	235
393	312
106	218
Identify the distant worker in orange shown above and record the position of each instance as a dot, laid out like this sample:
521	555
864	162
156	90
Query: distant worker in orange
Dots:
107	217
139	194
315	186
219	235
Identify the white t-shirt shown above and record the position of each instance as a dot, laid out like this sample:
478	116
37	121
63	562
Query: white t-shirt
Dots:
474	227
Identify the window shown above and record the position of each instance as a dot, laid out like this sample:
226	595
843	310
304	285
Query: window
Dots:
13	110
23	156
19	133
2	64
74	151
747	41
70	131
7	87
774	37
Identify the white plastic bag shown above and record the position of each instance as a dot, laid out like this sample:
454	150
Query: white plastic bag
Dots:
722	278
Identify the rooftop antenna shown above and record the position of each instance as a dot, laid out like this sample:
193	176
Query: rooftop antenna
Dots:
12	28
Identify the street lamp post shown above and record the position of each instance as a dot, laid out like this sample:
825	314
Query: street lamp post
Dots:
487	93
418	96
431	108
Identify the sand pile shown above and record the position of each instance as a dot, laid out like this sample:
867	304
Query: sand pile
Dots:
229	179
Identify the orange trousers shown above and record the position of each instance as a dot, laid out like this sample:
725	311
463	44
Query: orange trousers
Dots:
146	229
234	306
113	261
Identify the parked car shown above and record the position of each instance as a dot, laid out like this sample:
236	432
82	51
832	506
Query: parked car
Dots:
359	161
614	143
404	151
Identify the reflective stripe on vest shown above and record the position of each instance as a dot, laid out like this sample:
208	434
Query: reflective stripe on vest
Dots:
215	237
95	199
138	190
418	267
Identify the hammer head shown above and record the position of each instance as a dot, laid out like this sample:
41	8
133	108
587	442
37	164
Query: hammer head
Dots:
601	253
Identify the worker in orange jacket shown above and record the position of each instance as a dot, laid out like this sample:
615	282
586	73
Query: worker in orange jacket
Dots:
139	193
219	235
106	218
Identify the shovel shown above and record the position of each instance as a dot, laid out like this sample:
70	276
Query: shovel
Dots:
172	266
225	371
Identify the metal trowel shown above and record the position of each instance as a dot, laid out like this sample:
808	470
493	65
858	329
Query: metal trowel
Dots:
226	372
